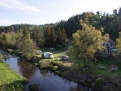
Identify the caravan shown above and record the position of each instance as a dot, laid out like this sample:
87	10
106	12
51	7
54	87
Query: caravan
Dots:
47	55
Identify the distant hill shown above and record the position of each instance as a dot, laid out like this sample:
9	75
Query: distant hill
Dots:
110	22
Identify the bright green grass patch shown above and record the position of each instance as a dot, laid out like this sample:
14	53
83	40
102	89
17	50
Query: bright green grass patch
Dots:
9	79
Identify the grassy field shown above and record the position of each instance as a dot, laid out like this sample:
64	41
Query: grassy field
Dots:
9	79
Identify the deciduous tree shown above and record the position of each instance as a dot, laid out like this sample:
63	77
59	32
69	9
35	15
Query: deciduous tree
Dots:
86	43
118	43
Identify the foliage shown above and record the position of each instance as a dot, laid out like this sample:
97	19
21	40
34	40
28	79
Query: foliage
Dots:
118	43
110	22
26	45
1	57
29	56
54	68
86	43
44	63
50	37
10	50
61	38
38	36
99	83
34	87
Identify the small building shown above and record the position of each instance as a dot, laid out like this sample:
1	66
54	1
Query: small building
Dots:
109	46
47	55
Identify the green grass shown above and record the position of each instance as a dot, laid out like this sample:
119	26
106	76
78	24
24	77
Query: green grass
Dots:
113	75
9	79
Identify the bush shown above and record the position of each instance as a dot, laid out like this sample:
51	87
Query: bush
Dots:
55	68
1	57
17	52
10	50
29	56
58	72
99	83
56	62
44	63
119	86
34	87
105	88
51	66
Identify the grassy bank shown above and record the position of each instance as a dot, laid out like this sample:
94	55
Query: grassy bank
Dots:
10	80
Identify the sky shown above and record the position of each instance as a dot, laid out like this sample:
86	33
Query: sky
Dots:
50	11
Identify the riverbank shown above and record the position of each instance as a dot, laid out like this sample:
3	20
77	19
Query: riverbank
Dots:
10	80
100	79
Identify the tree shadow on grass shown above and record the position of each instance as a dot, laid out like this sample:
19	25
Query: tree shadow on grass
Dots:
14	86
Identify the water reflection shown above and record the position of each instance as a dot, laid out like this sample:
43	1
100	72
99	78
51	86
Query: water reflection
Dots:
26	68
45	73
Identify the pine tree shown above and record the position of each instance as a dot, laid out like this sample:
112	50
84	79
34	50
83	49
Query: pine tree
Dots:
61	37
38	36
50	37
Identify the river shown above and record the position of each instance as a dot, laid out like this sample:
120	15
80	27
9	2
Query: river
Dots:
46	80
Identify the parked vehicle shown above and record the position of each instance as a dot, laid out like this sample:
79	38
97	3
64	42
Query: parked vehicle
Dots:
47	55
64	58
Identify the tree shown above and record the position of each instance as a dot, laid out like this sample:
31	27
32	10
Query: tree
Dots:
86	43
50	37
118	43
38	36
26	44
61	37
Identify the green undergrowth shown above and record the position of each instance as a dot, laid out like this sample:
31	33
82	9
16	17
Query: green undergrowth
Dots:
106	72
10	80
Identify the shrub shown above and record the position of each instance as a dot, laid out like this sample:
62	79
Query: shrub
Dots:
119	86
51	66
29	56
1	57
55	68
56	62
58	72
99	83
10	50
105	88
17	52
44	63
34	87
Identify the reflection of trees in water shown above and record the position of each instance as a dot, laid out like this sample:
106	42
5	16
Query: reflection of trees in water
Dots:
45	73
27	69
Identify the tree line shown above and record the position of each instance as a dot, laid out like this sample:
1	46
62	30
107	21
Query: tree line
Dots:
110	22
36	36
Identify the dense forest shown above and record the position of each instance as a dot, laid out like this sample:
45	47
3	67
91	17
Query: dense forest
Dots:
109	23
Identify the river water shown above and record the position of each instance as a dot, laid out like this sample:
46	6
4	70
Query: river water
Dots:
45	79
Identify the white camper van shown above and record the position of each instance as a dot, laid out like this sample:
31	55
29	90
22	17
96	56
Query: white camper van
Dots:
47	55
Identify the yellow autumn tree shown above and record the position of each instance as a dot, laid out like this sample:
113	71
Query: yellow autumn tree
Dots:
86	43
118	43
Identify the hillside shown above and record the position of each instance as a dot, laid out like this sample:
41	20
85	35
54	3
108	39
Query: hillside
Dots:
110	22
